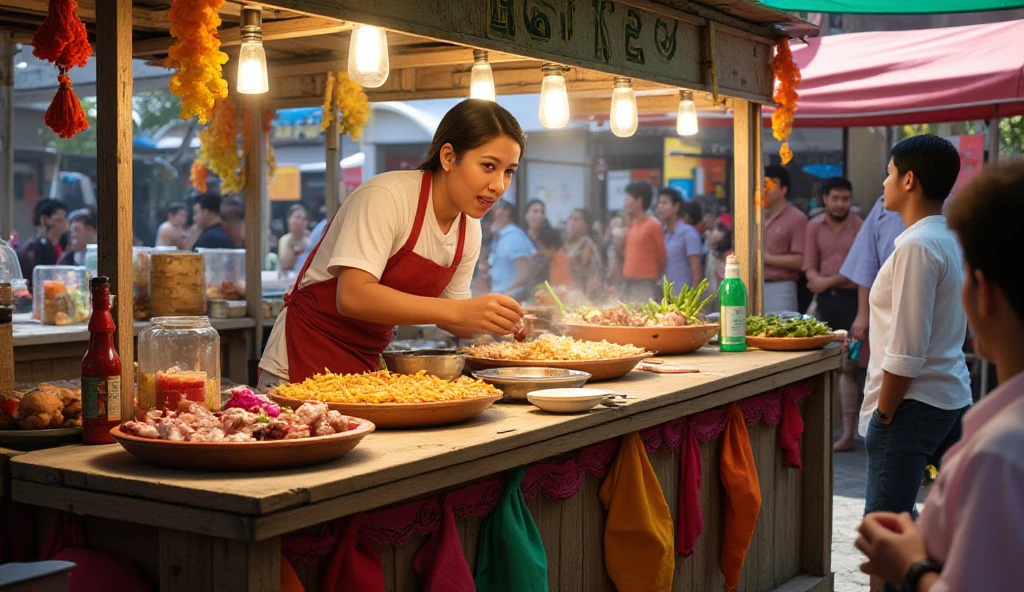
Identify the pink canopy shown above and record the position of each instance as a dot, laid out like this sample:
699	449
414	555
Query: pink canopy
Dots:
901	77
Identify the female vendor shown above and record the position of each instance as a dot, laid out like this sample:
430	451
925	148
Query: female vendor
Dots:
401	251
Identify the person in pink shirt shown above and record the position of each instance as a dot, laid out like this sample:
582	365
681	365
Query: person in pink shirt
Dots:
970	535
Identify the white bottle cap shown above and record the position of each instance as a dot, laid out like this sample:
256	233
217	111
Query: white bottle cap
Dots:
732	267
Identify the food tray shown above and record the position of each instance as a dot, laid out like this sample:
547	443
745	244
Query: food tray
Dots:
25	440
790	343
404	415
664	340
244	456
517	382
598	369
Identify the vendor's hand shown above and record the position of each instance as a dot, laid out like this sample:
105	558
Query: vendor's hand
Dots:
891	543
493	313
859	330
819	284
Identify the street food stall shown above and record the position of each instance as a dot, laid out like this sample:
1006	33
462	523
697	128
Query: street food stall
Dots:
698	471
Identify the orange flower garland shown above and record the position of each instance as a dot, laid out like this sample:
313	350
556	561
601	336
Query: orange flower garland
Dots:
62	40
769	186
198	176
788	74
218	150
196	53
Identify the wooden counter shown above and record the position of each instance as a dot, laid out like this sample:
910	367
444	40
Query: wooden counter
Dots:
248	513
50	352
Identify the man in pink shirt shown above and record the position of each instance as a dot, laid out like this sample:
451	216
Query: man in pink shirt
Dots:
785	229
971	532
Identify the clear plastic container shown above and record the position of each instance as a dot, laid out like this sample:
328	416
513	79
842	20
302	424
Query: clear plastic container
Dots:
179	357
22	296
92	258
61	294
140	282
225	273
10	267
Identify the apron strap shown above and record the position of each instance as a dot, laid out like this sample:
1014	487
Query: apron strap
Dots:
421	212
462	241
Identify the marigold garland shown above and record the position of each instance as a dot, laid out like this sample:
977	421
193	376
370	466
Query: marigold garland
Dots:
196	53
218	150
198	176
353	104
62	40
788	74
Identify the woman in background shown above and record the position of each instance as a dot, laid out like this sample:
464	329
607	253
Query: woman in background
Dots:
536	219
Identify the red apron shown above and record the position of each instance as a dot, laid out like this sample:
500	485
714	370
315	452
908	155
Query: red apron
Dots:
317	337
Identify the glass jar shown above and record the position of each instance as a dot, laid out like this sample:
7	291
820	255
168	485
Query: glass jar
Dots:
179	357
225	273
140	283
10	267
92	258
60	294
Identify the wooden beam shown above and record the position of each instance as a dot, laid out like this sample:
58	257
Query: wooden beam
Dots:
272	31
114	176
142	17
338	61
257	211
7	52
747	190
332	155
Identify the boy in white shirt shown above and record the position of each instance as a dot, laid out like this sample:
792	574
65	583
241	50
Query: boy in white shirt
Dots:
918	385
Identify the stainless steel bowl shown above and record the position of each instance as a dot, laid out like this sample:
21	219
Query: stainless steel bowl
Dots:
515	383
447	364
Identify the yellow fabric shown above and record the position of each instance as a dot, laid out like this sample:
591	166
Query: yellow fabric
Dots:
639	551
742	493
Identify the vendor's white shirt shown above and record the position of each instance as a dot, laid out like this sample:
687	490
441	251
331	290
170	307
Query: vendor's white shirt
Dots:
372	225
918	324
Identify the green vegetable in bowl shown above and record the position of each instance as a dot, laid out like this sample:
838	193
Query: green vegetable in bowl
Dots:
773	326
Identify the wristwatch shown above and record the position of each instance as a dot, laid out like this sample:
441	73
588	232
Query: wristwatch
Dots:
916	572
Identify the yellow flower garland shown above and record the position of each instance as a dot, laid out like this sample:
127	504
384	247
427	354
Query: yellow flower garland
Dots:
218	150
352	102
196	53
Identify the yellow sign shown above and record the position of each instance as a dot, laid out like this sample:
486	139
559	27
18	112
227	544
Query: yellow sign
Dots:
681	158
286	184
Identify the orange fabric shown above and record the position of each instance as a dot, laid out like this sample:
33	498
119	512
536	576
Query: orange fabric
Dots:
639	551
289	579
645	250
742	493
561	271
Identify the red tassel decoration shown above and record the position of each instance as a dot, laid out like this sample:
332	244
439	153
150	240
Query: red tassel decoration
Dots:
65	115
63	41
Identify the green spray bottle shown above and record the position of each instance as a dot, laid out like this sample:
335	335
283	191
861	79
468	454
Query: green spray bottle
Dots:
732	295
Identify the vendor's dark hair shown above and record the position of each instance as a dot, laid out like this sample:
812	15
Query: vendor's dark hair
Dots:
47	207
209	202
643	191
674	196
984	214
836	183
471	124
934	160
777	171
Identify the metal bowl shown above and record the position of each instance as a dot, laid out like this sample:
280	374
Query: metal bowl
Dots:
443	363
516	383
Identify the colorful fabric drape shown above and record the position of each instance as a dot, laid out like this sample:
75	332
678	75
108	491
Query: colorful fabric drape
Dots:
638	539
290	581
690	517
355	564
742	493
791	429
93	571
441	561
511	557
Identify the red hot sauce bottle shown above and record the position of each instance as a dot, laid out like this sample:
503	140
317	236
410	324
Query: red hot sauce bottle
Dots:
101	371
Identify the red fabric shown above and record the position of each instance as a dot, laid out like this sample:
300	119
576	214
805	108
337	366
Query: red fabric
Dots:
64	533
690	518
441	562
791	429
355	564
317	337
99	572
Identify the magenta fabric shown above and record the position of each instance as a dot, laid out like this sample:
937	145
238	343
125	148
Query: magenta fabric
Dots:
690	518
355	564
441	561
791	429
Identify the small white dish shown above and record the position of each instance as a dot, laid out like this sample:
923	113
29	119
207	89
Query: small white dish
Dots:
567	400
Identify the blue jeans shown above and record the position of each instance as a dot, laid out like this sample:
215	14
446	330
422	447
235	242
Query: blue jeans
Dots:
899	452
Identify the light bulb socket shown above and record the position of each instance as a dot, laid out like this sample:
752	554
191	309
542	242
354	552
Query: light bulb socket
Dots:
623	82
686	95
480	56
251	28
550	69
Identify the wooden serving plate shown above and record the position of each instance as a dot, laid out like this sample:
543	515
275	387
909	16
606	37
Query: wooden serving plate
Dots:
598	369
664	340
25	440
404	415
790	343
243	456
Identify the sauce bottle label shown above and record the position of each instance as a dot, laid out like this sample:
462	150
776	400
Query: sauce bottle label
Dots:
733	330
101	398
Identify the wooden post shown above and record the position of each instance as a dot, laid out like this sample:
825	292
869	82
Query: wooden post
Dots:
6	134
256	219
747	189
816	538
334	174
114	175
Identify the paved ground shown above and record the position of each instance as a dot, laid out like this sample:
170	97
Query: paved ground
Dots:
848	476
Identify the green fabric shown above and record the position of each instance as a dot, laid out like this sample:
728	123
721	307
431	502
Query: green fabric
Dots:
511	557
891	7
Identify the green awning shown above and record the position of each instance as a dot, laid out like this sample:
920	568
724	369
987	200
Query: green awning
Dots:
892	7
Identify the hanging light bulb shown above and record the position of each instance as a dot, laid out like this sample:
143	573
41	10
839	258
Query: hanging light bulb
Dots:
686	119
252	60
481	79
554	98
368	56
623	115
